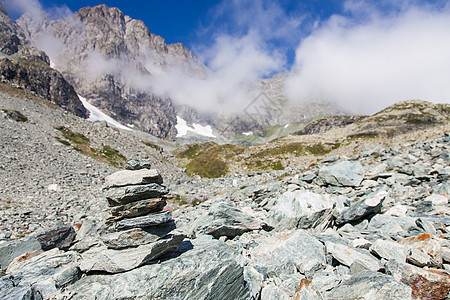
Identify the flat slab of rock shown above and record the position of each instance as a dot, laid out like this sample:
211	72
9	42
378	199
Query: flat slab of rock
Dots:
13	249
204	268
144	221
426	243
425	284
129	238
370	286
223	219
59	236
107	260
127	194
344	173
294	247
129	177
300	209
137	209
389	250
363	208
347	256
40	276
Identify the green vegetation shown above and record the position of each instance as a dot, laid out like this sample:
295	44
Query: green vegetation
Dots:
151	145
15	115
81	143
208	159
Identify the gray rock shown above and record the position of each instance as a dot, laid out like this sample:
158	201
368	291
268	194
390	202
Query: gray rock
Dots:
300	209
425	284
136	163
59	236
271	291
426	243
392	225
117	261
370	286
129	238
204	268
144	221
12	249
294	247
421	259
371	204
127	194
307	291
40	277
224	219
137	209
129	177
347	256
389	250
345	173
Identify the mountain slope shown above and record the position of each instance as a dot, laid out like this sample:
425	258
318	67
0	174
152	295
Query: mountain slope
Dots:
111	60
403	122
28	68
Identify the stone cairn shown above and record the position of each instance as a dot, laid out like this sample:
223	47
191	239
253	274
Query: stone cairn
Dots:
138	229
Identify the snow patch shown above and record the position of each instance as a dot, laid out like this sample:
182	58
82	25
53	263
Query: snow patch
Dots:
286	126
96	115
183	128
248	133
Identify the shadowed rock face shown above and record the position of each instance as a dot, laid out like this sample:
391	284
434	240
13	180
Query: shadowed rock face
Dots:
29	69
111	59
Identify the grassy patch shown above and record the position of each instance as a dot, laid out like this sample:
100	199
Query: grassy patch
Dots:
81	143
15	115
208	159
76	138
151	145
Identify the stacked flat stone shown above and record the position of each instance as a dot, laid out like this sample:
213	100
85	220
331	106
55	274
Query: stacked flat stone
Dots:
139	230
136	198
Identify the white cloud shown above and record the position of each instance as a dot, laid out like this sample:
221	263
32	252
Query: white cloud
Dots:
370	65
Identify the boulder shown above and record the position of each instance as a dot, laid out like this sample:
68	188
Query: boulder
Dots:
347	256
136	163
426	243
224	219
59	236
344	173
102	259
289	248
144	221
128	177
300	209
13	249
41	276
425	284
307	291
127	194
389	250
370	285
371	204
204	268
137	209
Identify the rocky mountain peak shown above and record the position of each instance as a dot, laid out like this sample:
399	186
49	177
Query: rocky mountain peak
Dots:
111	59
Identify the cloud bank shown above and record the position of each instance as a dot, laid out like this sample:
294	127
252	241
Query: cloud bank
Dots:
371	59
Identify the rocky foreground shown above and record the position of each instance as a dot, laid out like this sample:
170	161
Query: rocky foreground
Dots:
370	226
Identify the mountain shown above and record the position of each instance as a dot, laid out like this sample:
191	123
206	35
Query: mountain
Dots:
402	122
26	67
111	60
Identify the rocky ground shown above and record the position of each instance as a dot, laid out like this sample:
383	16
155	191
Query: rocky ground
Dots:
371	225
